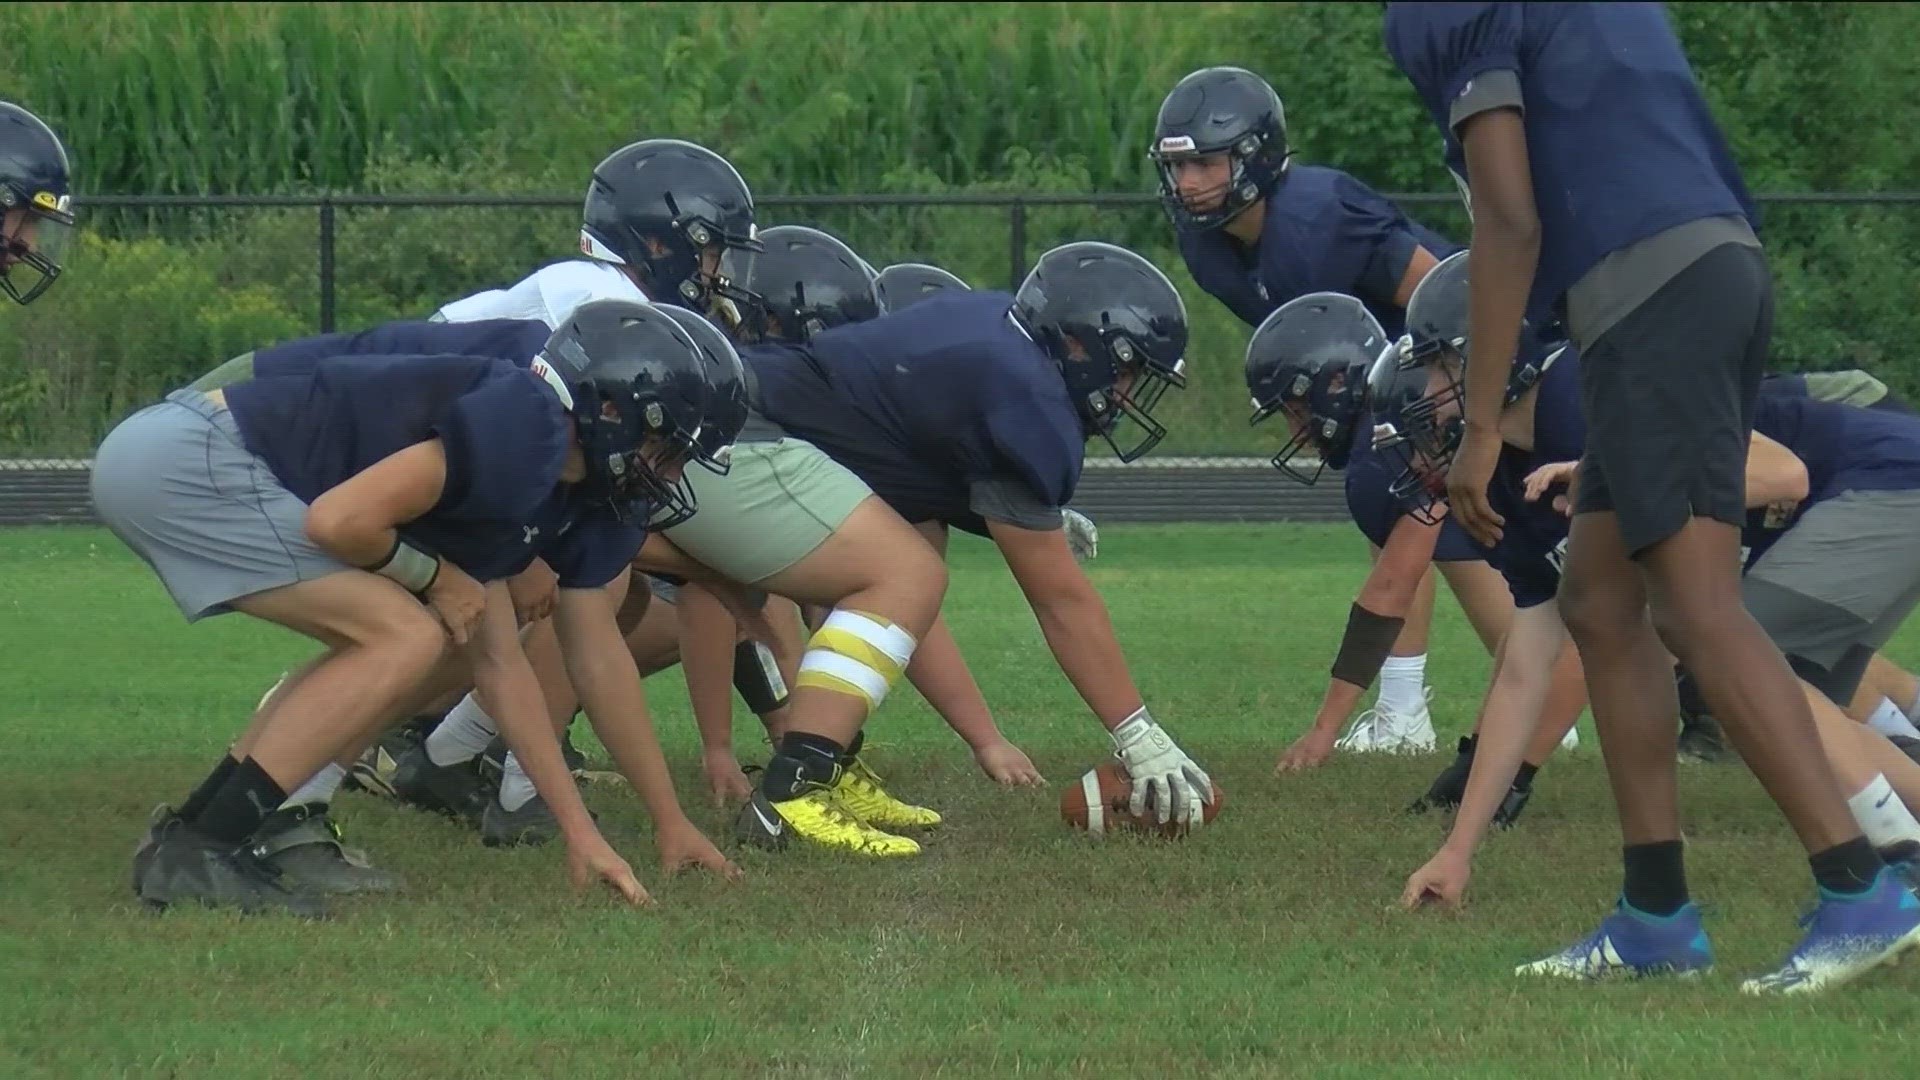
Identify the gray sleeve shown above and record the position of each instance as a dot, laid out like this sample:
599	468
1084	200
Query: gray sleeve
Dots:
1004	499
1487	90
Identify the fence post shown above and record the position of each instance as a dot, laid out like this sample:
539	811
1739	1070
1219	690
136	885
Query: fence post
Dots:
326	264
1016	243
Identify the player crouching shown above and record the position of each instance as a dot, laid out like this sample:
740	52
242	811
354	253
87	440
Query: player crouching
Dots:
377	503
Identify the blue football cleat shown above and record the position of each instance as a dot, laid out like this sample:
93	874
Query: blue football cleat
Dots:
1633	944
1847	936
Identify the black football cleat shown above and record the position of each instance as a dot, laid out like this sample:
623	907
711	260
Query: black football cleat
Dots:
459	791
1702	740
1451	785
303	844
185	866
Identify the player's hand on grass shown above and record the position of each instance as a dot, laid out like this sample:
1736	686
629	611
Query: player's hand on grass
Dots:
1007	764
1546	477
725	781
1162	773
1309	751
682	845
1440	883
534	591
594	860
457	600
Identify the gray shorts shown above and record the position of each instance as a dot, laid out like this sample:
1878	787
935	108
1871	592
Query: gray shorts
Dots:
176	484
1843	578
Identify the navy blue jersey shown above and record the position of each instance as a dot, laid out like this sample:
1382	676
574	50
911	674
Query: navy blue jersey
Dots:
1533	542
321	410
1324	232
927	402
1844	447
1620	140
1376	511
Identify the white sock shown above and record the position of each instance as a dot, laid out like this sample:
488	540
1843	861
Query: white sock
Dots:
1403	685
515	789
462	735
1889	720
320	789
1882	816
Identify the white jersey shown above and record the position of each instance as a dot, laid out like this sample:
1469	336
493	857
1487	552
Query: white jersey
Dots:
549	294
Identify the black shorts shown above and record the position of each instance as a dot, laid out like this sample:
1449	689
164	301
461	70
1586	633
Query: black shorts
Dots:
1669	393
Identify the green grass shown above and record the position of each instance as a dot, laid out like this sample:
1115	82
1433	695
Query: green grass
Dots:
1266	946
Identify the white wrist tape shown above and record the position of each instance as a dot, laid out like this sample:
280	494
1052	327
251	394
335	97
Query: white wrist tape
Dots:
414	569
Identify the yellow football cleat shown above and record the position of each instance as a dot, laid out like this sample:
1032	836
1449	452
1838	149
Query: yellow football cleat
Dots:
818	817
859	789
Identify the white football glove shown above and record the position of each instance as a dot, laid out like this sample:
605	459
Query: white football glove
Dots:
1156	765
1082	537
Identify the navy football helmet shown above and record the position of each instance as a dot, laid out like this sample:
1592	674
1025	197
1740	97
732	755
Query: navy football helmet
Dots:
1310	359
1116	327
36	204
903	284
726	390
1220	110
806	281
666	207
1418	393
638	388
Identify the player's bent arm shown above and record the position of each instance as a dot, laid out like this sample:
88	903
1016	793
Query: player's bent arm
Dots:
607	682
1374	621
511	694
1072	618
1524	671
1775	474
356	521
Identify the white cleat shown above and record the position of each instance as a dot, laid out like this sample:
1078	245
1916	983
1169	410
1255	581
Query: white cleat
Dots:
1571	740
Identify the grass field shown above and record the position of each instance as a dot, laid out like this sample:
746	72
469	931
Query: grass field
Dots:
1267	946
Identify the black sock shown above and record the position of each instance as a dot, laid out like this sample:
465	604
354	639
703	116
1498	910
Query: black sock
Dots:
1656	877
801	761
203	794
1848	869
1524	778
245	800
853	748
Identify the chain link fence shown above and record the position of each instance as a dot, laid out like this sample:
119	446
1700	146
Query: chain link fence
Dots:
163	288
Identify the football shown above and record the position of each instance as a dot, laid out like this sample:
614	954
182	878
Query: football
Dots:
1097	803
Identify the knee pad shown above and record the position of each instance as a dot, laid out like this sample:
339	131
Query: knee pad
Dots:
757	678
856	654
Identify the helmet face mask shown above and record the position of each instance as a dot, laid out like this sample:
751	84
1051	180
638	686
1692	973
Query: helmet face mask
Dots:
34	238
1420	420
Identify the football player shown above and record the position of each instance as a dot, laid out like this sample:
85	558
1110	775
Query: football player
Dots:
377	502
1309	362
783	518
1419	403
36	206
1258	230
972	410
1601	188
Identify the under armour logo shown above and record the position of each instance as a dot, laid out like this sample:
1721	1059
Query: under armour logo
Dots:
528	533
